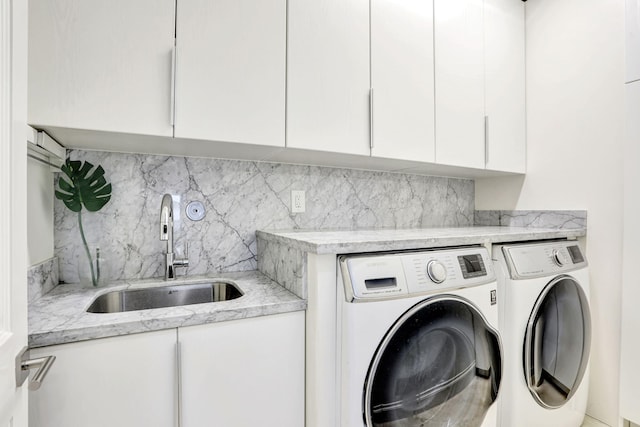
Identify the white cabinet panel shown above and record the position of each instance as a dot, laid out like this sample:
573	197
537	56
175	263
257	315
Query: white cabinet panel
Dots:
402	79
101	75
459	82
126	381
630	344
328	75
632	14
505	85
101	65
230	70
244	373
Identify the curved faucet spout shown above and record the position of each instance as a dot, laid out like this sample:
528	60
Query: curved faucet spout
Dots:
166	219
166	233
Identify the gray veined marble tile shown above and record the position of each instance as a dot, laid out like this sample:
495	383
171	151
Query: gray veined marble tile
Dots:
60	316
283	264
486	218
283	254
42	278
545	219
376	240
564	220
241	197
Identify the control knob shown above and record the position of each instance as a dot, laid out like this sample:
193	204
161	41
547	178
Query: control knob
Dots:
436	271
558	258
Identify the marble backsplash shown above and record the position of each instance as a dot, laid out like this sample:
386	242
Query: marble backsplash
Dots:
240	197
41	278
534	219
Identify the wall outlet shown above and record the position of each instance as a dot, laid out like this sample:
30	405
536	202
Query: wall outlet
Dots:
297	201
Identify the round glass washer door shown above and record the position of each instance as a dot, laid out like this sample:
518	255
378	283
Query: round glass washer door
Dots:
557	342
440	364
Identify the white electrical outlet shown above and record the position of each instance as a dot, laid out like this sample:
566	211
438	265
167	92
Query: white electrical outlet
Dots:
297	201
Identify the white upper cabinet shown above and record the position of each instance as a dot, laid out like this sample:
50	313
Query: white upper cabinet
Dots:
402	79
480	84
439	82
328	75
101	65
459	77
632	13
230	70
505	85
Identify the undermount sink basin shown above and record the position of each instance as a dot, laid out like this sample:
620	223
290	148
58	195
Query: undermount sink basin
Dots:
164	296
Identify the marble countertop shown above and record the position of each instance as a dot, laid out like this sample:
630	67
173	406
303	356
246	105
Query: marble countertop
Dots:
348	241
60	316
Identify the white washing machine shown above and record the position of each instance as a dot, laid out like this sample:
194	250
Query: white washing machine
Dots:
417	339
545	325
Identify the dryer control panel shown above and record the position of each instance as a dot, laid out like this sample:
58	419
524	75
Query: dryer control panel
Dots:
394	275
543	259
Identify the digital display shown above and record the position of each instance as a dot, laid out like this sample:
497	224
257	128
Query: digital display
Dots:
471	266
472	263
576	255
387	282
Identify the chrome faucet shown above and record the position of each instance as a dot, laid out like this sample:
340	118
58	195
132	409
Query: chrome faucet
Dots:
166	233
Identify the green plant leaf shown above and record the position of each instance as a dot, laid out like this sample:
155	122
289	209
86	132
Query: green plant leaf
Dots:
83	185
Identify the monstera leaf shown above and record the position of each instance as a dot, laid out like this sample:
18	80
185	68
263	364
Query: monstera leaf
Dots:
82	185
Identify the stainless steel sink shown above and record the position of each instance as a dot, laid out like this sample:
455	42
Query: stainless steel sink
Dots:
164	296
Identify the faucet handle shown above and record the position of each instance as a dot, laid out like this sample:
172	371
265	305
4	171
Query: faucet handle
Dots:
183	262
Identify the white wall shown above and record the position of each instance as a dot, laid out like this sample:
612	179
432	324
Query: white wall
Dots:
39	212
575	116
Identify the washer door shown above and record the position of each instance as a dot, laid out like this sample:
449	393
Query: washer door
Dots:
439	365
557	342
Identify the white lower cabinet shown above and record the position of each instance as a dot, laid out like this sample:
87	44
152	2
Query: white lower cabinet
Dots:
127	381
244	373
240	373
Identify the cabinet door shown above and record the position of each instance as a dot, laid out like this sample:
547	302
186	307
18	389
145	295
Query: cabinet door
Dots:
632	13
328	75
459	82
402	79
101	65
230	70
126	381
244	373
505	85
630	345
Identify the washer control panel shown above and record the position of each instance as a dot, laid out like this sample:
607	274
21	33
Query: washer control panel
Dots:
393	275
543	259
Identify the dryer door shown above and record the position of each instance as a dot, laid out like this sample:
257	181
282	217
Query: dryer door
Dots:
439	365
557	342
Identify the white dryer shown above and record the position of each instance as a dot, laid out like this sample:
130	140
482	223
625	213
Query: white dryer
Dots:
417	339
545	325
